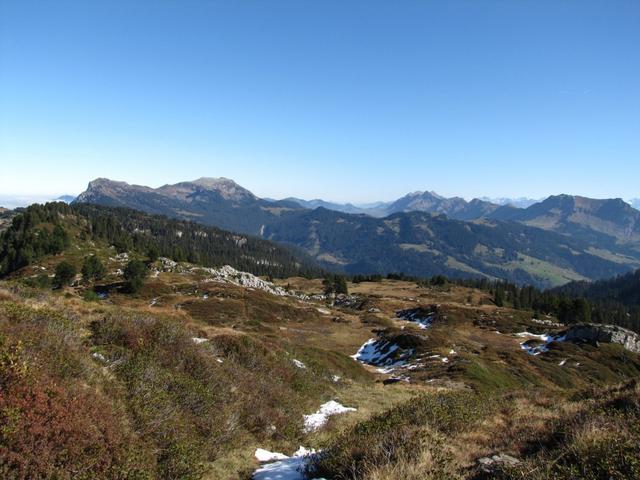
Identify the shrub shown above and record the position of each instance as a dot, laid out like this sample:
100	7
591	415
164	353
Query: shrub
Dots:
397	434
53	423
90	296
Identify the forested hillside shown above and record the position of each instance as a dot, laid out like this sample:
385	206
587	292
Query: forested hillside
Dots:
624	289
420	244
49	229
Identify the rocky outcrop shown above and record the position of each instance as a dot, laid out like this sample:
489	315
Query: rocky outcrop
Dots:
494	463
592	332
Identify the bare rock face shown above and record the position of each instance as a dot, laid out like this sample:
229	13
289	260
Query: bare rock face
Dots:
592	332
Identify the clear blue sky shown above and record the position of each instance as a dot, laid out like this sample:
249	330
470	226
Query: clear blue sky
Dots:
344	100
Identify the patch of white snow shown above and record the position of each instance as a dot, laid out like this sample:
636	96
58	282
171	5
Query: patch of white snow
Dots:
545	338
267	456
317	420
285	468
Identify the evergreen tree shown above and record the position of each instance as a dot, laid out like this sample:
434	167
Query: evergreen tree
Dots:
340	285
134	274
498	297
335	284
93	268
153	253
65	273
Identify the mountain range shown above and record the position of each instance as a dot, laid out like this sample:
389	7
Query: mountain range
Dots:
431	202
560	239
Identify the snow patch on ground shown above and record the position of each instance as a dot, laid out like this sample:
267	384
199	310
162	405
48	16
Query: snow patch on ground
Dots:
535	349
283	468
317	420
417	315
267	456
382	353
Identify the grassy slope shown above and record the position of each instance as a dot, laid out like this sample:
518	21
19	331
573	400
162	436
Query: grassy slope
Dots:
181	413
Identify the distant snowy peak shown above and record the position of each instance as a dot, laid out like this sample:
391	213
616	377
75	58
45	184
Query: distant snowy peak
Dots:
519	202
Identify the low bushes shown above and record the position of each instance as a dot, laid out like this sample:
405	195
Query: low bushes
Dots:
399	435
54	423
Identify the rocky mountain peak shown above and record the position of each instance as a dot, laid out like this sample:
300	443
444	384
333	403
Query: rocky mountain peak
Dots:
225	187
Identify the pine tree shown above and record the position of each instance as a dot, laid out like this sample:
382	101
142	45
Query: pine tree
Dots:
134	274
93	269
65	273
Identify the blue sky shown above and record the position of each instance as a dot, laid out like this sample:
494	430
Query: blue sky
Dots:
344	100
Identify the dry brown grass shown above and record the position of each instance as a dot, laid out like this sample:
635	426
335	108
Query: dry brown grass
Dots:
530	392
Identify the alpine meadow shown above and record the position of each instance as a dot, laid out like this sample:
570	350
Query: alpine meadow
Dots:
341	240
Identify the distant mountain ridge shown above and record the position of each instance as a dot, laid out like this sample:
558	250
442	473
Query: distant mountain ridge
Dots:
317	203
547	244
609	220
212	201
419	243
603	221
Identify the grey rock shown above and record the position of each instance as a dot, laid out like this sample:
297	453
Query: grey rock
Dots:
595	333
491	464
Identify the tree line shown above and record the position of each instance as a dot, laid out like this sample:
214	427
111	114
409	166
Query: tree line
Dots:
572	303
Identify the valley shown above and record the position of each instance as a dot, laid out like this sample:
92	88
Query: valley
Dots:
549	243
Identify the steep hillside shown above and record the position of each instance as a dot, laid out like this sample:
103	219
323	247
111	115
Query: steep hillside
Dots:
421	244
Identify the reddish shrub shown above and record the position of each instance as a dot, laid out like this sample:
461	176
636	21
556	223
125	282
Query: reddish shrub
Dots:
47	431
